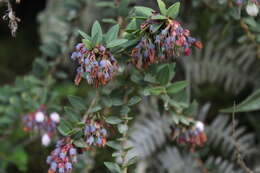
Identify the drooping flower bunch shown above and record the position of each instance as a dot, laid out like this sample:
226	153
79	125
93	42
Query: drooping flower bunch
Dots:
97	65
62	157
40	121
169	41
192	136
95	133
251	6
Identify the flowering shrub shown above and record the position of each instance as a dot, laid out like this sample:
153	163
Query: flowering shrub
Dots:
134	62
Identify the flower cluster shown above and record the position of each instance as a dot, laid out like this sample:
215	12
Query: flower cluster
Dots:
39	121
96	66
252	6
169	41
193	136
95	133
62	157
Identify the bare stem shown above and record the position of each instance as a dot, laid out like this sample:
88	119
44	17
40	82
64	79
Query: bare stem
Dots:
237	146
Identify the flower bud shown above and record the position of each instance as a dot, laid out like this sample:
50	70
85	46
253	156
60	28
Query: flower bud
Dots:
46	140
200	126
252	9
55	117
39	117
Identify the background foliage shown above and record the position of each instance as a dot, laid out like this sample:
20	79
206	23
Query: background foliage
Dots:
36	69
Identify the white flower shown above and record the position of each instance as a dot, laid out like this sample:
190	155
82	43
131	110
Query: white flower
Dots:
39	117
46	140
200	126
55	117
252	9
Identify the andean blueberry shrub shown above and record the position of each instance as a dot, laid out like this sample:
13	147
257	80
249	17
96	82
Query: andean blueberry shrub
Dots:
169	41
62	157
95	133
40	121
97	65
192	136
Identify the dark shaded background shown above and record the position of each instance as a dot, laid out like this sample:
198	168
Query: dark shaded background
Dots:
17	54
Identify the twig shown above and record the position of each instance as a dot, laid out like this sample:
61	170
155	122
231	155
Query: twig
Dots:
237	146
10	15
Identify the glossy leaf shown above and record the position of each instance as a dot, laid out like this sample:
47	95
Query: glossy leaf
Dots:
162	7
252	103
113	144
113	120
173	10
112	33
176	87
77	102
143	11
113	167
96	32
84	35
163	75
116	42
134	100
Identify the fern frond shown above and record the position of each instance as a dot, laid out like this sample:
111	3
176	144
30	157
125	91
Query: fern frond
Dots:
172	161
149	132
221	65
218	165
220	137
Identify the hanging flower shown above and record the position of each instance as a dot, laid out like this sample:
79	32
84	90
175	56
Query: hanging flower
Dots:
192	136
95	133
40	122
169	41
62	157
252	9
97	66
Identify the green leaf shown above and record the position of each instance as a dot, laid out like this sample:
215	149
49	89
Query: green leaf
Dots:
250	21
80	143
113	167
132	26
71	114
116	42
155	90
122	128
143	11
176	87
77	102
113	120
131	161
117	102
134	100
125	110
87	43
184	120
109	20
64	128
252	103
105	4
163	76
95	109
113	144
96	32
159	17
173	10
162	7
112	33
84	35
